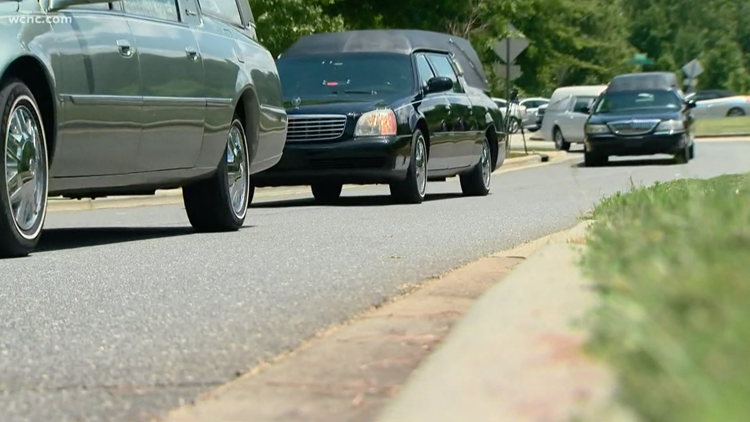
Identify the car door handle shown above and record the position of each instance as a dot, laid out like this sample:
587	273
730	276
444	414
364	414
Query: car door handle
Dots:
189	12
125	48
192	53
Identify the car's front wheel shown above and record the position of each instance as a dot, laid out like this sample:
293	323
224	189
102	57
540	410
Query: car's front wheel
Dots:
220	203
412	189
25	175
326	193
477	181
560	143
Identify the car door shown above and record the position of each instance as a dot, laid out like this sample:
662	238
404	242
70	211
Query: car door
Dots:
99	87
172	85
576	118
464	134
435	108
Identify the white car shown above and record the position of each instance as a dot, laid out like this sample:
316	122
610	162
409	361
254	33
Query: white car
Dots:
517	114
566	114
532	106
717	104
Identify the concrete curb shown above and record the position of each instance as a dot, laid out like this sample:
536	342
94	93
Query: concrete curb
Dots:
514	356
174	196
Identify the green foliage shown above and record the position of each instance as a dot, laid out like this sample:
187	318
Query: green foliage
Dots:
670	263
571	41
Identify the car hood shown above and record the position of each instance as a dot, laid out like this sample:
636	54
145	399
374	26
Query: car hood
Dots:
650	114
335	104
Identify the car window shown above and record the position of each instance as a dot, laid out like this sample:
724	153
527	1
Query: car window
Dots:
160	9
347	73
581	103
224	9
443	67
424	69
635	100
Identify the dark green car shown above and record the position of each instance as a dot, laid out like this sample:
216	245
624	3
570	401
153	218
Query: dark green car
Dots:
126	97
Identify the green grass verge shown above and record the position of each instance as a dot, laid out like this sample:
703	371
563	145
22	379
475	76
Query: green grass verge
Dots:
722	126
672	264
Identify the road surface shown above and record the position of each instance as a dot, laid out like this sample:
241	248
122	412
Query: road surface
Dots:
123	314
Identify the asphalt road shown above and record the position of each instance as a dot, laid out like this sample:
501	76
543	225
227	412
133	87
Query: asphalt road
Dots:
123	314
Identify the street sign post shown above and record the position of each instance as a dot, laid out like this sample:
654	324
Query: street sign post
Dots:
692	70
508	50
640	60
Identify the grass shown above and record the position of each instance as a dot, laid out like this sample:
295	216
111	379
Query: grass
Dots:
671	263
722	126
516	154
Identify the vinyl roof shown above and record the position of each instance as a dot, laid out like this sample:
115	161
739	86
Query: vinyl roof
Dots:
398	41
645	80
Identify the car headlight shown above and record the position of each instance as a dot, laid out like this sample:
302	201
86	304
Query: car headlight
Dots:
670	126
596	129
376	123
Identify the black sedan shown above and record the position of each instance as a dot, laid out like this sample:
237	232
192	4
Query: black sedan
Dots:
397	107
640	114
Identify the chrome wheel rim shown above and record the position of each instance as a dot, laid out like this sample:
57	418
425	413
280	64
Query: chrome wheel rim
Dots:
486	171
420	161
735	113
237	172
558	138
25	168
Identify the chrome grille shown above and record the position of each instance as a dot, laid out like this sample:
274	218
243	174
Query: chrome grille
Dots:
633	127
306	127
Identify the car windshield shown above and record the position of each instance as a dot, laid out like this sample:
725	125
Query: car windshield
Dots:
348	73
613	102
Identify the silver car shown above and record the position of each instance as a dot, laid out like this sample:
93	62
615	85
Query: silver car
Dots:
531	117
716	106
517	113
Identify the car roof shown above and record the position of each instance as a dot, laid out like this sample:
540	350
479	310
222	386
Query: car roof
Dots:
587	90
645	80
394	41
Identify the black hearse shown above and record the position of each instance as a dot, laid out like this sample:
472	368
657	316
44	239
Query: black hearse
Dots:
386	106
640	114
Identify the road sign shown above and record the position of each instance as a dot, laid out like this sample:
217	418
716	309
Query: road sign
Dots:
510	48
692	69
502	72
640	60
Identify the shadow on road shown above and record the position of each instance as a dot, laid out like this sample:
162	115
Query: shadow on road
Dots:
633	163
71	238
350	201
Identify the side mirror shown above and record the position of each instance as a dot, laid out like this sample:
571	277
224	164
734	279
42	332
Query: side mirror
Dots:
690	104
439	84
55	5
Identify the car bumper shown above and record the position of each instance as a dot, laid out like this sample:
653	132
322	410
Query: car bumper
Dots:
636	145
353	161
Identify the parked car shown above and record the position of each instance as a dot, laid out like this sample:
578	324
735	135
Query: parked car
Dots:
515	111
718	103
531	120
397	107
565	117
540	112
640	114
124	98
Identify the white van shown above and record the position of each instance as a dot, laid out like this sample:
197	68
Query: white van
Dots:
564	118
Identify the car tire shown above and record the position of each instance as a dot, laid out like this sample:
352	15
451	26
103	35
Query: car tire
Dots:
735	112
25	180
478	181
691	151
220	203
683	157
591	159
514	125
251	193
560	143
326	193
412	189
